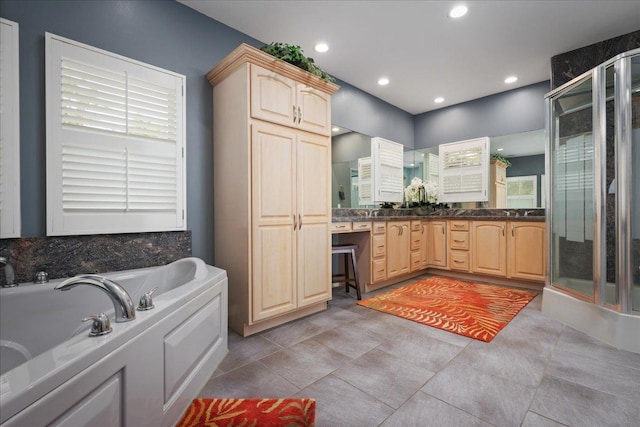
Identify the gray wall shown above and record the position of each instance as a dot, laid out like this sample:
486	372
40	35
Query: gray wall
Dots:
166	34
515	111
360	112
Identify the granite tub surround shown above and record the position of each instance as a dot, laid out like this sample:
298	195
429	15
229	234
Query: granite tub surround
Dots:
72	255
355	215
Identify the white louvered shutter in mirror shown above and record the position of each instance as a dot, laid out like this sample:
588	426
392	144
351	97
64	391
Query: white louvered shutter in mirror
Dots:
9	130
365	182
387	158
115	143
464	171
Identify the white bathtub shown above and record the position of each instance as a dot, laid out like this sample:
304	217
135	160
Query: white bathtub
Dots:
145	372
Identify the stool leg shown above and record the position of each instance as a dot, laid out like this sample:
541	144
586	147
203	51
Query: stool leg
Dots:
355	273
346	272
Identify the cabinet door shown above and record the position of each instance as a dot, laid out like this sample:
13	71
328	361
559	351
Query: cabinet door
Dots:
424	243
527	250
489	247
313	234
313	110
437	244
273	97
273	290
398	248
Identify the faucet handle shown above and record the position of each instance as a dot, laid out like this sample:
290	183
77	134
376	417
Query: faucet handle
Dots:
100	326
146	302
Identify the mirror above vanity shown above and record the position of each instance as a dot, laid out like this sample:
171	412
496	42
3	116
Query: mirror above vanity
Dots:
524	177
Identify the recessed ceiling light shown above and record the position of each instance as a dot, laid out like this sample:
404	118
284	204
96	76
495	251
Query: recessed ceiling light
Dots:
383	81
335	129
439	100
511	79
500	149
458	11
321	47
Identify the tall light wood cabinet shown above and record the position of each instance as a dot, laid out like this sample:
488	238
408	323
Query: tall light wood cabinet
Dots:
272	188
497	184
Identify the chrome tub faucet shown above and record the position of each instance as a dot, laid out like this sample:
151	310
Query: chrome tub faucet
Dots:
122	302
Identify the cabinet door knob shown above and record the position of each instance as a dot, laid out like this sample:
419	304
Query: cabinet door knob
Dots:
294	114
299	115
295	224
299	222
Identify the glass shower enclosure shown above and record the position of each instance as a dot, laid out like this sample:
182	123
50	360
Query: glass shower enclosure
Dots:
593	205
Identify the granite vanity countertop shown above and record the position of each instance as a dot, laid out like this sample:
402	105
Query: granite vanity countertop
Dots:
363	215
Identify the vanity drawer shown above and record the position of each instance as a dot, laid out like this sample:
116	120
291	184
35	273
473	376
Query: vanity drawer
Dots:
379	227
379	270
416	239
459	260
459	240
459	225
340	227
416	225
416	261
361	226
379	248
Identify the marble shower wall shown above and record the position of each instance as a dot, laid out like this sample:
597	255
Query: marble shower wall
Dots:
564	68
72	255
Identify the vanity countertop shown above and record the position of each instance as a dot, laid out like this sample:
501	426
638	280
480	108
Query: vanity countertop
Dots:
360	215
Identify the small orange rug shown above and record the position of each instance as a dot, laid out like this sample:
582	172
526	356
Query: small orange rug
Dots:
471	309
249	413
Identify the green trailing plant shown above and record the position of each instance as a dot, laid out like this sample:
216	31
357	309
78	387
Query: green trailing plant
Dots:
500	157
293	55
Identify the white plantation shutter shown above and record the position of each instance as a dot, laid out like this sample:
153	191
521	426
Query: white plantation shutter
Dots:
464	170
387	157
365	182
9	131
115	143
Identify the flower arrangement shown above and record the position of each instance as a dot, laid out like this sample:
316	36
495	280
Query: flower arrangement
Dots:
421	193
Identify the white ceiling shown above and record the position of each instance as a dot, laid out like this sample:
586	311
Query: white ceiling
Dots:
423	52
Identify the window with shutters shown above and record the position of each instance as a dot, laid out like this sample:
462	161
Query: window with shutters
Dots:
9	130
387	169
115	143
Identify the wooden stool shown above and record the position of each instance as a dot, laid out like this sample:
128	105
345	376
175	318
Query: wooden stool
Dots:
346	249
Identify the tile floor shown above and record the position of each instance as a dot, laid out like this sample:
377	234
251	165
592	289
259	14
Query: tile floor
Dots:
367	368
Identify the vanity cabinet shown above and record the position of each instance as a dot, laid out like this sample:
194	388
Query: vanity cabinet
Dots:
459	243
272	184
437	244
379	252
418	246
489	247
398	248
526	246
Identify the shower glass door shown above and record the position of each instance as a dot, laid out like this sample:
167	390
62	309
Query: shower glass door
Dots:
635	183
572	210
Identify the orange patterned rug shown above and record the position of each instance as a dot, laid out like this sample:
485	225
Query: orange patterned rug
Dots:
249	413
471	309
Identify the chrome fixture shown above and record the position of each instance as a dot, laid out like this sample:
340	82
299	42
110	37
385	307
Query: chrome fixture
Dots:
100	326
146	302
41	277
122	303
9	273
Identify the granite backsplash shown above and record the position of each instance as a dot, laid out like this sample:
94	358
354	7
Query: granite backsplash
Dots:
72	255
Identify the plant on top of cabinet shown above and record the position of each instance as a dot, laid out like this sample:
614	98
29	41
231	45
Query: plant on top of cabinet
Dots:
293	55
501	158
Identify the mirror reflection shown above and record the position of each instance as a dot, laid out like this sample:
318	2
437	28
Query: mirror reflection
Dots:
525	174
